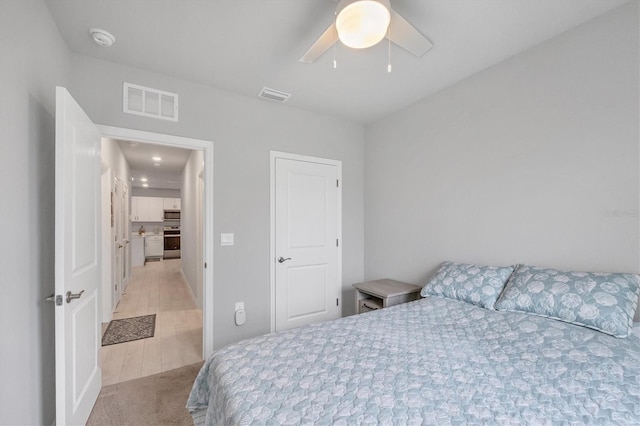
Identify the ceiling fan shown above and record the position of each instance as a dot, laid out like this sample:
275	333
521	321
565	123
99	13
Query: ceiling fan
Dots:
364	23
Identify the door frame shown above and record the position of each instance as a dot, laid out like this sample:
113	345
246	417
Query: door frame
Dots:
272	230
207	214
117	261
107	255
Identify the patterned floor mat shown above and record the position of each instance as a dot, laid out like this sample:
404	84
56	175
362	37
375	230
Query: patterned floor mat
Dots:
129	329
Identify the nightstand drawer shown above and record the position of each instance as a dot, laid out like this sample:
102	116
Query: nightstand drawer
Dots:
367	305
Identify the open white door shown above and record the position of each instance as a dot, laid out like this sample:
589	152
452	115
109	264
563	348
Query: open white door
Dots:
77	261
307	241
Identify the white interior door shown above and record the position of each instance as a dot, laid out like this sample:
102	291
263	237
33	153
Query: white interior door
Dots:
122	236
77	261
126	226
118	244
307	251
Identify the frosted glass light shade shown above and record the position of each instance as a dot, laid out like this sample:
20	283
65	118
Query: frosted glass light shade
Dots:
363	23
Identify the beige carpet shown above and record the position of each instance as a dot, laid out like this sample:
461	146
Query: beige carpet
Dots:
154	400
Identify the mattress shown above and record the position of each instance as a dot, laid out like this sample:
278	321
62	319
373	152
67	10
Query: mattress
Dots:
432	361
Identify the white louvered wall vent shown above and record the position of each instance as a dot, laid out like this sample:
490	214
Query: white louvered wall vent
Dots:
149	102
273	95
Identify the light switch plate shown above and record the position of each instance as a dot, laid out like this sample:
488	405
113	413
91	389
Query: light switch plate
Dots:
226	239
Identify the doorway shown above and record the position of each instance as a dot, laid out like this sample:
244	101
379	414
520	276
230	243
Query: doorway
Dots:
172	267
158	286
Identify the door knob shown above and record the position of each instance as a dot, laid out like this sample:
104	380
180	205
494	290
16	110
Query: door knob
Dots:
71	296
282	259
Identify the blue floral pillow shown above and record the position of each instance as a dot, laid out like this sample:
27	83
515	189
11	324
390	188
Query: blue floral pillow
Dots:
603	301
479	285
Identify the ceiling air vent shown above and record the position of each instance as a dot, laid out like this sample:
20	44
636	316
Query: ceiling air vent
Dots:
149	102
273	95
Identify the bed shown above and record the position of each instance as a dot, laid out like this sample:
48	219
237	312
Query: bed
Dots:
438	360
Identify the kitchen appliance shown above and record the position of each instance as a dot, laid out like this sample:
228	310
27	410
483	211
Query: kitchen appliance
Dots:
172	215
171	242
153	247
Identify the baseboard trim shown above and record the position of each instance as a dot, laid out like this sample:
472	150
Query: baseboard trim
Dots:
193	296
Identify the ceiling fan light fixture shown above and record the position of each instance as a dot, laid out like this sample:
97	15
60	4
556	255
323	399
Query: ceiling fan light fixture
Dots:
362	23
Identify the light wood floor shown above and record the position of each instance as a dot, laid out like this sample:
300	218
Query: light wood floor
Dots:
157	287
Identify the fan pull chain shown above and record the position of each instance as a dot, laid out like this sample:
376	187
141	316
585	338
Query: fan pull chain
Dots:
335	63
389	38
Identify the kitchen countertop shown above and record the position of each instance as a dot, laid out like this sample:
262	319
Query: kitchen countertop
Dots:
145	234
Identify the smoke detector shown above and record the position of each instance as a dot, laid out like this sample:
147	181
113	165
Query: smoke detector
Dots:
101	37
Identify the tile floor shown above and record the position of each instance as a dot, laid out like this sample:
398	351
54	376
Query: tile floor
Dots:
157	287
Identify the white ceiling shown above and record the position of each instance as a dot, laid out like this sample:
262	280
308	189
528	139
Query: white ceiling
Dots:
165	176
243	45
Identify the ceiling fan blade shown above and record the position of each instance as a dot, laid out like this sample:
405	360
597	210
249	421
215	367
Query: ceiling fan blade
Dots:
324	42
406	36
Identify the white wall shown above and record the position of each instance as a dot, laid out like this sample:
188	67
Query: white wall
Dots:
243	130
519	163
112	155
189	226
33	60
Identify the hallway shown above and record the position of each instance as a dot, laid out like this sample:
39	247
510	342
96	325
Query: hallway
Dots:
157	287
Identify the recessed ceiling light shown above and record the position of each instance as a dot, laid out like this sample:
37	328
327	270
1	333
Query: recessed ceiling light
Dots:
143	180
101	37
145	185
156	164
156	158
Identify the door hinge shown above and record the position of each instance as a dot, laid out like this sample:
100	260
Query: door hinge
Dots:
337	243
337	183
337	301
205	265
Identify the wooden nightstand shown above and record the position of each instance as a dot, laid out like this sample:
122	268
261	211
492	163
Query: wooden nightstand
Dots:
378	294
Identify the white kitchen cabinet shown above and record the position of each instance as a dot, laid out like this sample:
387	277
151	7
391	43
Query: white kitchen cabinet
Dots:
172	203
139	209
147	209
156	209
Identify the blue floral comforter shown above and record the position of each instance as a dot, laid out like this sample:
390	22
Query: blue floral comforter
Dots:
433	361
